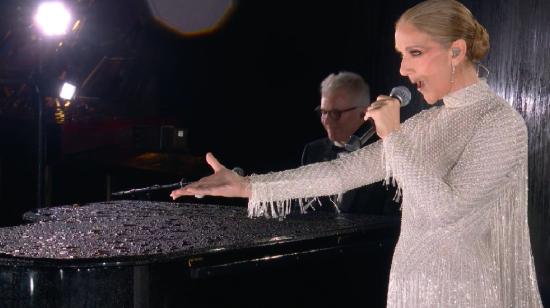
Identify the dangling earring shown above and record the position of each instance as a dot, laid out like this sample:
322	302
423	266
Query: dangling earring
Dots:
452	73
487	72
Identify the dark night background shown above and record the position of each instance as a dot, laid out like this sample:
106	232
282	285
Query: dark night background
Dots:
245	91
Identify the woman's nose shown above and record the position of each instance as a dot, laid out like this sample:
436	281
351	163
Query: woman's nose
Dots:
404	69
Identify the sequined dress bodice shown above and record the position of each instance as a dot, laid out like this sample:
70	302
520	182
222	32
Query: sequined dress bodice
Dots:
462	171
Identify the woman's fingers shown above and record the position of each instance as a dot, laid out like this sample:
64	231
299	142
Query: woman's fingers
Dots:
213	162
381	101
177	193
222	182
385	114
191	189
200	187
211	185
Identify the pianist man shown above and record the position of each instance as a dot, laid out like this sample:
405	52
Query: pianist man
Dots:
344	98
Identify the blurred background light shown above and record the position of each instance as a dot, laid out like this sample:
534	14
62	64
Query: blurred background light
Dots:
191	17
53	18
67	91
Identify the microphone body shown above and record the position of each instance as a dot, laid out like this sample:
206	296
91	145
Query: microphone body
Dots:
402	94
238	170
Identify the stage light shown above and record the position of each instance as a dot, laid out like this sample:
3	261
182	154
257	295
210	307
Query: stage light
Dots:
67	91
53	18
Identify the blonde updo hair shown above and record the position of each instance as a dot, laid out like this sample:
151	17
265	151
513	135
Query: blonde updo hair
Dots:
447	21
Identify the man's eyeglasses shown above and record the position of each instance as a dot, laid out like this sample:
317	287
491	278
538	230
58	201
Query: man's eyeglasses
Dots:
334	114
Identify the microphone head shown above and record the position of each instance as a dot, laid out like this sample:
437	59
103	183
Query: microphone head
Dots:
238	170
402	93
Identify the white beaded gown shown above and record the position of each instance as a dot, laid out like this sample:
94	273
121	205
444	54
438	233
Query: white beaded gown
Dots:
462	171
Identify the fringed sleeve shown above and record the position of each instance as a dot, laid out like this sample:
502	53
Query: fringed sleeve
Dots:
273	193
512	249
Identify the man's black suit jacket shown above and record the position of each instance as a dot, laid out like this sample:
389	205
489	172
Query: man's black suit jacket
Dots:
374	199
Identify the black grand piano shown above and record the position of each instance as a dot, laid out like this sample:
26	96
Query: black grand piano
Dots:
160	254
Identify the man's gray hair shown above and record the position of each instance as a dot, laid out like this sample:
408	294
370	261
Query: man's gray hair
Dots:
352	82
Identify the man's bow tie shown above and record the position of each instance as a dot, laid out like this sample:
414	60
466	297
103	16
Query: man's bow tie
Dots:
354	144
336	149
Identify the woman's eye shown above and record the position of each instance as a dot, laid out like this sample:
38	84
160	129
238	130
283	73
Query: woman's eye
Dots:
415	53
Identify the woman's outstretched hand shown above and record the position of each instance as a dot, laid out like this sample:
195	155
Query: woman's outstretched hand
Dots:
385	113
223	182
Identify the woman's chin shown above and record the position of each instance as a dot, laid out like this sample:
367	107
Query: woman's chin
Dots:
430	99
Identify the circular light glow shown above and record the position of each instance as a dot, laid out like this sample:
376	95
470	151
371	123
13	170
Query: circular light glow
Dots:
53	18
192	17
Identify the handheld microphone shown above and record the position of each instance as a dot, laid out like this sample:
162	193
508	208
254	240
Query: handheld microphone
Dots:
238	170
356	141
